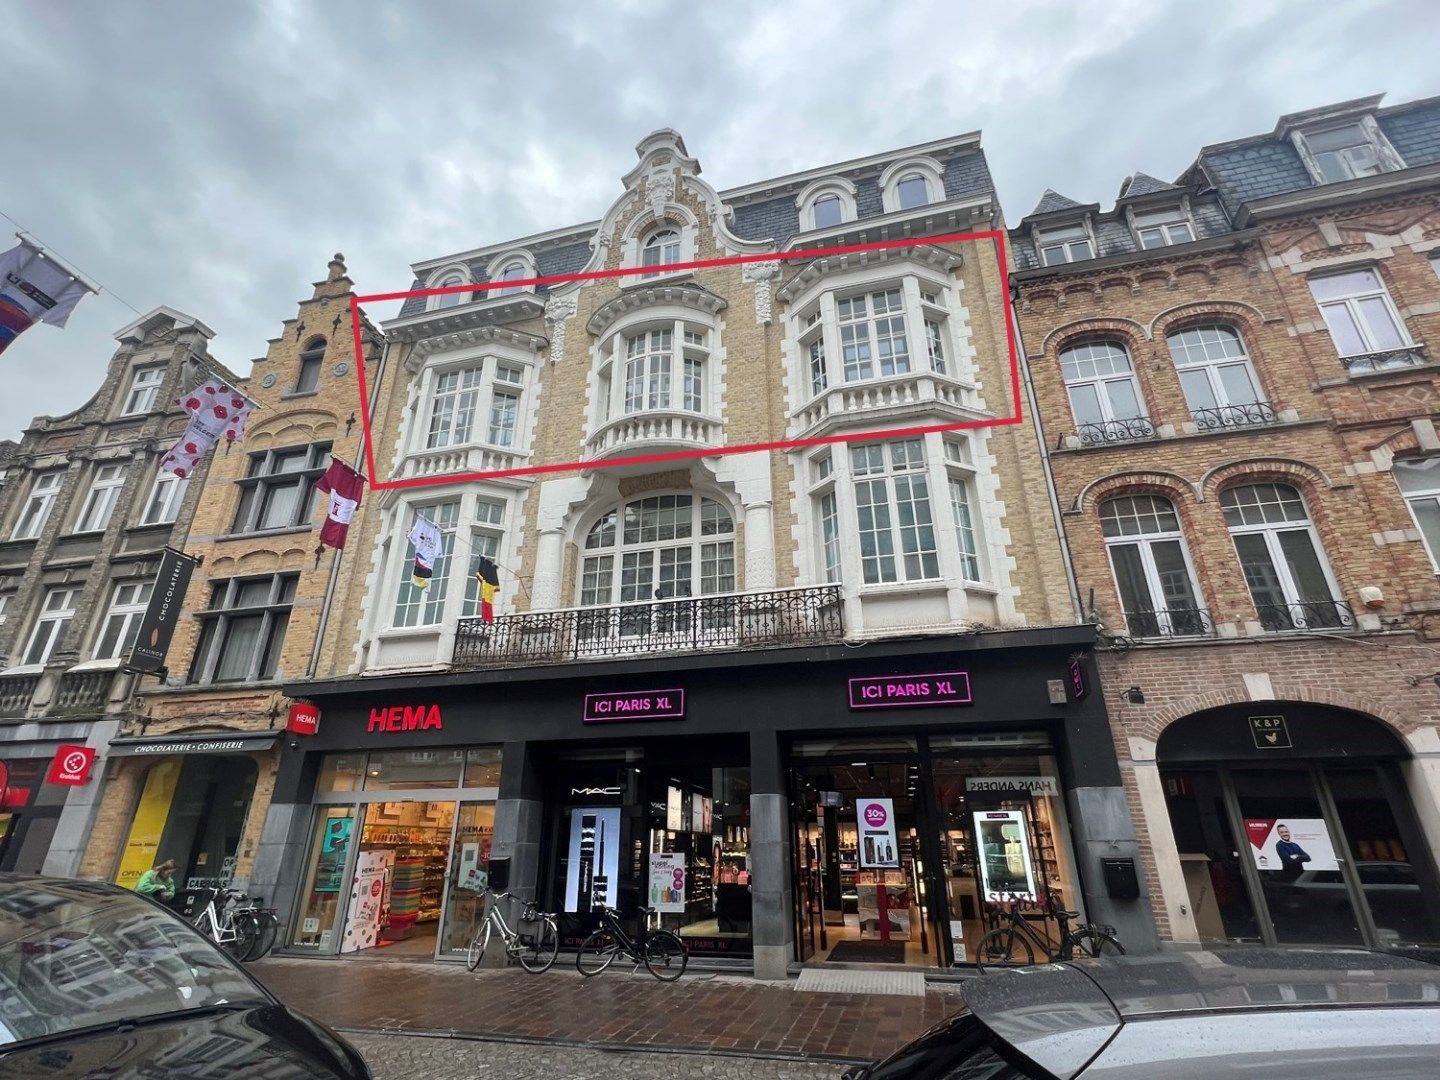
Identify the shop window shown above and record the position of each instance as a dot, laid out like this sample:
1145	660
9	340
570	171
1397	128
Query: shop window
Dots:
1280	554
341	772
54	620
100	500
1419	482
1152	567
144	387
312	360
166	498
892	504
243	628
482	768
388	770
278	491
415	606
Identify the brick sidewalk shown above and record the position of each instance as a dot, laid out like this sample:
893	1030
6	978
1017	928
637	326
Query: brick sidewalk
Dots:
722	1013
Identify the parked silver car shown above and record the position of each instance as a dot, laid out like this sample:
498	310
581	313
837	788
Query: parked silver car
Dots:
1261	1013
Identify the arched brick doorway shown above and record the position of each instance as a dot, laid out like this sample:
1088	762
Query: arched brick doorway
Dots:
1294	827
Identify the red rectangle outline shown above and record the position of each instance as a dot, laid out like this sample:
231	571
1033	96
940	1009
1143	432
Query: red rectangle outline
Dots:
996	236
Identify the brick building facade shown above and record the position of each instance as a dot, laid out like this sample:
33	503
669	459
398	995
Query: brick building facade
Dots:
1235	378
84	517
192	768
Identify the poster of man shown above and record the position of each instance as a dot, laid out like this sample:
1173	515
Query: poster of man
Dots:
1290	846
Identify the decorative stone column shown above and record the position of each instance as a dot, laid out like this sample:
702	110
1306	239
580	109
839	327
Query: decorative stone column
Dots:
759	547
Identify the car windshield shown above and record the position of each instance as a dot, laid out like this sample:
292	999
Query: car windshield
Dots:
78	955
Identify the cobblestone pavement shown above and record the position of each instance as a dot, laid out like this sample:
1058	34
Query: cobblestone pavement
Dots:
727	1013
406	1057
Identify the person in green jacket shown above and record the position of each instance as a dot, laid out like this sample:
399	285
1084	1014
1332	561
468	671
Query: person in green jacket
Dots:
156	882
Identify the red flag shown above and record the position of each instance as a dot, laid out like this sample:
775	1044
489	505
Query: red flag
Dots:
345	486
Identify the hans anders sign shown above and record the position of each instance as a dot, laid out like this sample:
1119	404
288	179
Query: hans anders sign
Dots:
399	718
635	705
899	691
1011	785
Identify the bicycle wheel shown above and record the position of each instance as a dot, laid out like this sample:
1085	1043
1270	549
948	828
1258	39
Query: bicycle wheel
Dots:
268	928
1003	948
476	952
597	953
245	929
540	945
665	955
1096	943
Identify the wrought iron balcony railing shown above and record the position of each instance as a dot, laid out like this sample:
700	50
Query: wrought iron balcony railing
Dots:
735	621
1233	416
1308	615
1385	360
1130	429
1170	623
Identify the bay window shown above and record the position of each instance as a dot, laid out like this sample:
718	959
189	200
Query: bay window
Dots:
1151	567
663	368
892	504
457	396
1281	557
872	335
1362	320
243	629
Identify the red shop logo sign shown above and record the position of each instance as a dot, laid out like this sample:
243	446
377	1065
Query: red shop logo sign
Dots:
398	718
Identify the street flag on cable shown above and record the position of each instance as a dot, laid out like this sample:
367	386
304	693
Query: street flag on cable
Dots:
35	287
489	578
345	486
215	409
425	535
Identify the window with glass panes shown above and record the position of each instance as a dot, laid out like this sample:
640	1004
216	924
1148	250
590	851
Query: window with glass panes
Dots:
486	531
100	499
415	606
446	300
1419	482
872	335
504	404
53	621
1281	557
513	272
912	191
661	249
892	504
665	368
278	491
163	506
960	476
243	628
827	515
1361	317
658	548
312	360
1151	566
1161	228
453	402
144	387
1343	153
1100	382
44	486
1215	370
128	601
935	345
827	211
1065	245
812	342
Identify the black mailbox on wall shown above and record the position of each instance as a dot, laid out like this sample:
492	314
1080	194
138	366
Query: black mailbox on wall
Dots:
1121	880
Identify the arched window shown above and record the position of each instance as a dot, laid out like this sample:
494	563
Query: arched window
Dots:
513	272
828	211
1152	567
1103	393
445	300
312	359
1281	556
912	191
662	248
1218	379
658	548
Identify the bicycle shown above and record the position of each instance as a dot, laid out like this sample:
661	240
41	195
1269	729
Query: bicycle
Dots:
536	950
267	929
1010	943
236	936
662	952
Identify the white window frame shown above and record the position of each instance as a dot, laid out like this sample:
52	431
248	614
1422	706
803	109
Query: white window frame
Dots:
4	603
889	476
649	246
145	383
1370	155
829	532
1101	383
866	333
52	623
1167	226
487	534
961	478
617	550
1270	532
668	376
38	503
512	272
1350	303
128	601
445	278
928	169
428	604
167	495
1421	492
1144	544
834	187
1061	239
1208	366
101	499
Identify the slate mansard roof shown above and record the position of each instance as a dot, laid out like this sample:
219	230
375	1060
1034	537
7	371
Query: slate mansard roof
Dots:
762	211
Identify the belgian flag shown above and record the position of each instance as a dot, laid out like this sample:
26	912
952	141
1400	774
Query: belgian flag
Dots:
489	578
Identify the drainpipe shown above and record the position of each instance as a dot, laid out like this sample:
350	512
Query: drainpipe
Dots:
335	562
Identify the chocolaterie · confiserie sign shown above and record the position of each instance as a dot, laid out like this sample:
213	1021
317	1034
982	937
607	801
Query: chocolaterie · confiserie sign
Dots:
898	691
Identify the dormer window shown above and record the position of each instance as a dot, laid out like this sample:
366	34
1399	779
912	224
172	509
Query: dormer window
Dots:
1343	153
1161	228
911	184
826	204
828	211
513	272
1070	243
913	191
661	249
446	300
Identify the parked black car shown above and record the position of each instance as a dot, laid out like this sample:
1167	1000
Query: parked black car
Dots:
1263	1013
95	980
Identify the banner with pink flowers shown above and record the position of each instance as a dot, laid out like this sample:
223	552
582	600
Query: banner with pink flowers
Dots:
215	409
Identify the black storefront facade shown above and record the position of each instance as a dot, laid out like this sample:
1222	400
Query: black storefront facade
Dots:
853	803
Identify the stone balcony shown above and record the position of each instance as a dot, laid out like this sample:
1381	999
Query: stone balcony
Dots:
62	691
876	400
449	460
655	430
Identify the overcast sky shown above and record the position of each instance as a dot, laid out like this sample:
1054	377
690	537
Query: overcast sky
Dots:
213	156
